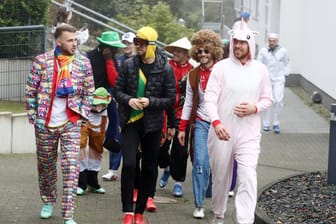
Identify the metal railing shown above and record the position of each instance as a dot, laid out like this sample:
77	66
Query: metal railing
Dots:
86	12
18	46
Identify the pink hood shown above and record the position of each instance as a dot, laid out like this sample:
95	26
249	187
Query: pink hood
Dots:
245	34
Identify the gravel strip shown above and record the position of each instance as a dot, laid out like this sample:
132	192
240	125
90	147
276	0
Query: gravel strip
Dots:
300	199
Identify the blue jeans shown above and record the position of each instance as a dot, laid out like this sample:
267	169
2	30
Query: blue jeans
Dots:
115	159
201	166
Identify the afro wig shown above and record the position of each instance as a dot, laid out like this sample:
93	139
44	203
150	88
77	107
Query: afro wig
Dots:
209	40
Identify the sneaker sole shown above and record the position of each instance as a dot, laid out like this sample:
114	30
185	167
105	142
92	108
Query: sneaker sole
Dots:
110	179
199	217
45	217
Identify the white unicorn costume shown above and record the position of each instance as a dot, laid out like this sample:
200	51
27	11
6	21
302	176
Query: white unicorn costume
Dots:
230	84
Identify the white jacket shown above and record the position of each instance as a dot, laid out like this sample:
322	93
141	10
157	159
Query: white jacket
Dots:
276	61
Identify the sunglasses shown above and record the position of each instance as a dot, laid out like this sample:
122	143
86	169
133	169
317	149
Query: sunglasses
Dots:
205	51
140	42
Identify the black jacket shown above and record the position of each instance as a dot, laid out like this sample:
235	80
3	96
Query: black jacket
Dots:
98	63
160	89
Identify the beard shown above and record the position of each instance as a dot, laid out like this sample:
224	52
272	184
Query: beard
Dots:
240	54
69	52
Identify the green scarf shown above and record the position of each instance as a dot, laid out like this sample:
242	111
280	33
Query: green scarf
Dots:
138	114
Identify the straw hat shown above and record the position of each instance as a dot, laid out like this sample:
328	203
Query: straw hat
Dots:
183	43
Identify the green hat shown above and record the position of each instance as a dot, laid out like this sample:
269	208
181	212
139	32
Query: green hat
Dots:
101	96
111	38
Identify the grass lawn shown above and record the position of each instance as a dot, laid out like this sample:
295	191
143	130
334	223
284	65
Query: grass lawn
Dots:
10	106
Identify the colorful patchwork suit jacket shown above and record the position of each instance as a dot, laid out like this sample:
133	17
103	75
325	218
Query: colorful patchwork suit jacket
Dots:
38	91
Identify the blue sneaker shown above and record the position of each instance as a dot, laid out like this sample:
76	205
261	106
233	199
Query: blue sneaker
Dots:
46	211
178	190
276	129
164	179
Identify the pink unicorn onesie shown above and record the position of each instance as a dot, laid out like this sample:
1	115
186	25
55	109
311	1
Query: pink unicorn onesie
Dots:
238	89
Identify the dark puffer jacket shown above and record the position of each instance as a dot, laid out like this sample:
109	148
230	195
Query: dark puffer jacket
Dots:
160	90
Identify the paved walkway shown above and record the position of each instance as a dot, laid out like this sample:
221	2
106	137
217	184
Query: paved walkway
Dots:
302	146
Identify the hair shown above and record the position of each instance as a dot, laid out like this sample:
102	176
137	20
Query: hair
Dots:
64	28
62	15
208	39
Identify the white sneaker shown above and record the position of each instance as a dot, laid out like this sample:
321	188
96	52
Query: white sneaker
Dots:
198	213
231	194
111	175
217	220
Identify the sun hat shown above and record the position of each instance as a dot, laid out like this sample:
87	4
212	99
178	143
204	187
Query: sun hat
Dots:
129	37
149	34
101	96
183	43
111	38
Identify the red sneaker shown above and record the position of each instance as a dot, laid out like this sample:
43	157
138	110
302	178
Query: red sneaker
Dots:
150	206
139	219
128	219
135	195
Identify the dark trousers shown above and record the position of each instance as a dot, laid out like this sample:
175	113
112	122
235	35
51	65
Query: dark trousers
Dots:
178	158
88	177
113	132
175	157
130	137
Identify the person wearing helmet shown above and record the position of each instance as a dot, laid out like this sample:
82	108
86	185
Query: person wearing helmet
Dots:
145	88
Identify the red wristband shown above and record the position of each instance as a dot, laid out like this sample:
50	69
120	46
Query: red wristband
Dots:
215	123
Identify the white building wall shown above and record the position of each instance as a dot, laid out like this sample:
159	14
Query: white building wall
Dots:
292	33
317	47
307	29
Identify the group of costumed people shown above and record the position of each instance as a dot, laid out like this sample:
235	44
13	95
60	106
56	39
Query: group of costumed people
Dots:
212	106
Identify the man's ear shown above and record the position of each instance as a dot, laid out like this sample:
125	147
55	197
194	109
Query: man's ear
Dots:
58	42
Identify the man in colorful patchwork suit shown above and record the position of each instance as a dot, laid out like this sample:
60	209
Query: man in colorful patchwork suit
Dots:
59	92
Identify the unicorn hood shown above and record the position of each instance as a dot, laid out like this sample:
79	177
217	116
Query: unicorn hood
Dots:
243	33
